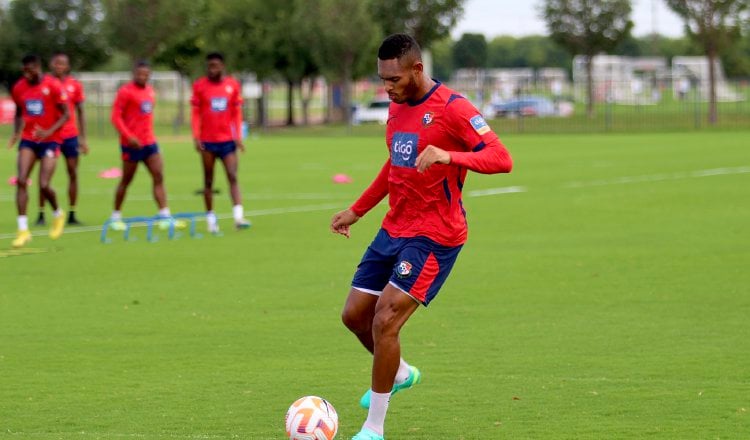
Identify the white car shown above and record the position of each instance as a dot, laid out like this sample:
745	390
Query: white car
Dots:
374	111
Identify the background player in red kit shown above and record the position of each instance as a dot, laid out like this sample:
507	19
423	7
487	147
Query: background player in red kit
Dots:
133	117
73	133
434	136
41	109
217	133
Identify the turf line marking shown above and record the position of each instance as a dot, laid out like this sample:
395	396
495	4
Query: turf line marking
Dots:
661	177
496	191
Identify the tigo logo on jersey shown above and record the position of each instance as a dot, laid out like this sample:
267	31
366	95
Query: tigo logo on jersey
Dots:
404	149
219	104
427	119
403	270
147	107
479	124
34	107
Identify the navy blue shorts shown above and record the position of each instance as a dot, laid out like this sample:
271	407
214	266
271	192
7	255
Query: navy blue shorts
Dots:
69	147
40	149
130	154
220	149
417	266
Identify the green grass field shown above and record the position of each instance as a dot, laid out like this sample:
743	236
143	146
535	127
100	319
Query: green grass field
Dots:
605	297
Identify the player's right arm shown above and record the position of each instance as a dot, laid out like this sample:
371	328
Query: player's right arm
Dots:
376	192
17	127
118	108
195	117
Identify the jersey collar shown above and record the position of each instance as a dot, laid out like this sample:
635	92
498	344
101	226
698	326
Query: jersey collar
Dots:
426	96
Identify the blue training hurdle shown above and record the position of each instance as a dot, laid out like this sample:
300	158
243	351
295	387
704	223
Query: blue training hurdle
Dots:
149	223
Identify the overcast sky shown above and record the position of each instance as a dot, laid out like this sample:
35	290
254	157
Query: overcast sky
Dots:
521	17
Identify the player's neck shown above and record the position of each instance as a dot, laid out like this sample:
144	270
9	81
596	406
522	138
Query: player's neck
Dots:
427	85
217	79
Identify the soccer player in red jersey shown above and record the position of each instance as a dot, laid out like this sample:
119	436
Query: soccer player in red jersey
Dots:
217	133
434	136
41	109
133	117
73	133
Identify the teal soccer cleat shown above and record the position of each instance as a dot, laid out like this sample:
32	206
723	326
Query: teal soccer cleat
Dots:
366	434
415	377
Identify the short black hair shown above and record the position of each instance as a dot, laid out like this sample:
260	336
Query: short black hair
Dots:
31	59
399	45
141	63
215	56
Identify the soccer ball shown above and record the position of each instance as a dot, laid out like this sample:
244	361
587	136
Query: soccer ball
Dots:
311	418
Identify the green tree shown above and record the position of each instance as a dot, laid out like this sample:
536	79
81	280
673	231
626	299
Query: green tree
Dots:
144	29
344	40
715	25
588	27
426	20
71	26
470	51
10	53
442	59
501	51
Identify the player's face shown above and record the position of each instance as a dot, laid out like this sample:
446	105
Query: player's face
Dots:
32	72
214	69
141	75
400	80
60	65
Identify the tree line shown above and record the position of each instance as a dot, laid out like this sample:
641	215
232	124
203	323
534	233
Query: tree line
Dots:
293	40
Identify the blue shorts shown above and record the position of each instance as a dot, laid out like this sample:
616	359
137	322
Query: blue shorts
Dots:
130	154
69	147
40	149
417	266
220	149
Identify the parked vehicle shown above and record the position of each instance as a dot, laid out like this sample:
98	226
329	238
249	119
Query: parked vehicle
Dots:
374	111
526	106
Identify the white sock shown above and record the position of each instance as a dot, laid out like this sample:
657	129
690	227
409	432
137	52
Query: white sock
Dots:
403	372
116	216
23	223
238	212
164	212
376	416
211	218
57	213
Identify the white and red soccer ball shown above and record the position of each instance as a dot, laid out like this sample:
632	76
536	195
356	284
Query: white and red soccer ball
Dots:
311	418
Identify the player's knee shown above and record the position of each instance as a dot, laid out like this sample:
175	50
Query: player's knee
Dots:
232	177
208	183
384	323
158	178
355	321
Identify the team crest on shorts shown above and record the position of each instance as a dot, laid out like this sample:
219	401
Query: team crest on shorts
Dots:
427	119
403	270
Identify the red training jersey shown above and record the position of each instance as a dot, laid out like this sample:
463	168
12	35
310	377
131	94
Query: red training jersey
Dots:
429	204
39	106
74	91
133	113
217	110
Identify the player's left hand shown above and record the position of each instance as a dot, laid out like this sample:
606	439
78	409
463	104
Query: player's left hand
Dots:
240	145
431	155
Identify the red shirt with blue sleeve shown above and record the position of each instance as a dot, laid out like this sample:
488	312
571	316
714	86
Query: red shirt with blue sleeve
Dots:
74	90
133	113
217	110
39	106
429	204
